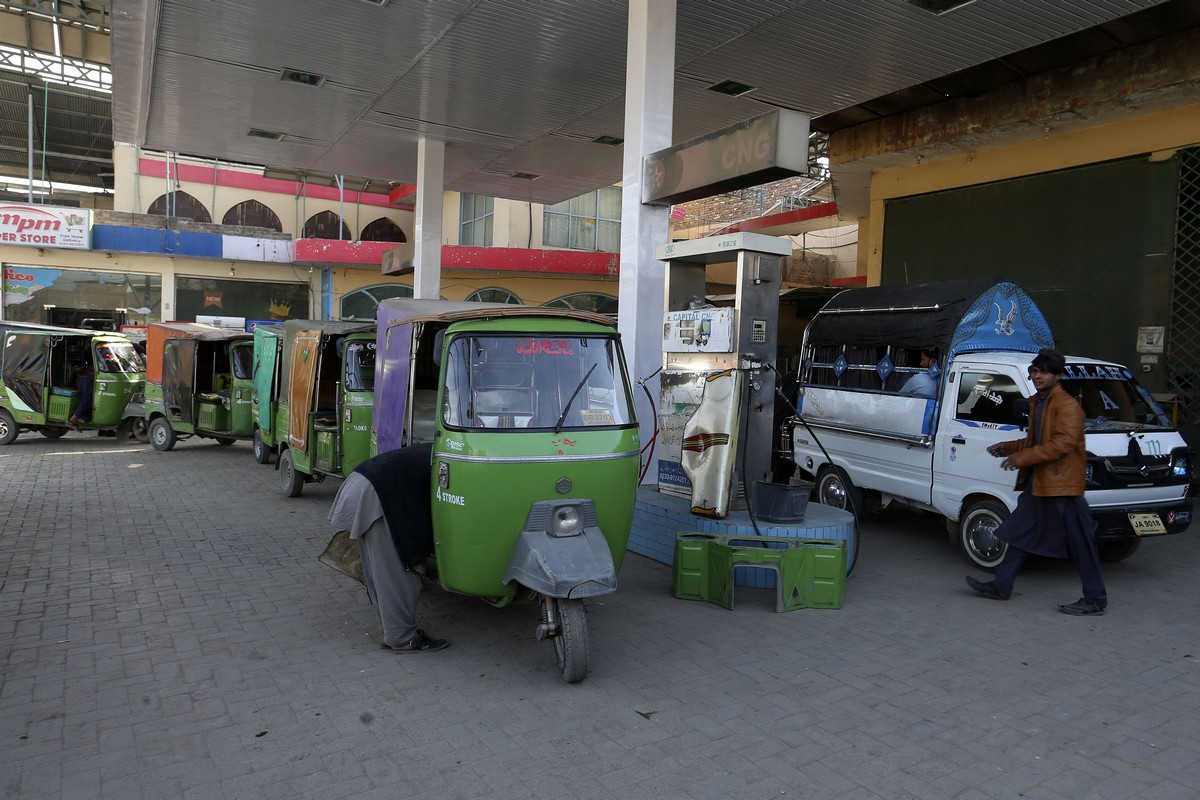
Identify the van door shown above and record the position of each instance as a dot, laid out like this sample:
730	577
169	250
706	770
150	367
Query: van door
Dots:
983	406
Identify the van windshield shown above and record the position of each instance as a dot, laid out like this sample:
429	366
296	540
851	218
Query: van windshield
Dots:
119	357
546	381
1112	399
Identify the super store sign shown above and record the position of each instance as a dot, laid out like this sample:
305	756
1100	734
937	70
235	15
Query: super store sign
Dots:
46	226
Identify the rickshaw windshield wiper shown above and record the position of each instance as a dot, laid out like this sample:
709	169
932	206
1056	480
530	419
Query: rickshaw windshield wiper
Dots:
563	416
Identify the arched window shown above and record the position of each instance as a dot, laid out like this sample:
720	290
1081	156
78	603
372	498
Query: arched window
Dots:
494	295
179	204
586	301
326	225
383	230
252	214
361	303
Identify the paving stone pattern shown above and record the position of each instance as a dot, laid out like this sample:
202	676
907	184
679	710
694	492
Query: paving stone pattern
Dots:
166	631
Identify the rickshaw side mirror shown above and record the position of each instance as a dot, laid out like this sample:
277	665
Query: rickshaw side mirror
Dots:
439	340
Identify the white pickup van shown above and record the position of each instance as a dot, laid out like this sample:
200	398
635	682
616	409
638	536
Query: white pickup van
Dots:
861	439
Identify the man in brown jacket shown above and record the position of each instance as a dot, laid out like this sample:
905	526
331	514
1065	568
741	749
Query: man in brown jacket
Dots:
1052	518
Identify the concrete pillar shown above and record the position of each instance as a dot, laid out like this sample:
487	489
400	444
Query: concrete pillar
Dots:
427	239
649	94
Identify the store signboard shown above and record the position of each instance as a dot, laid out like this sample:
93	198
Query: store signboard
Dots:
45	226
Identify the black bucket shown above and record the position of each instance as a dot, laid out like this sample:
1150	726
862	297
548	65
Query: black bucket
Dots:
781	502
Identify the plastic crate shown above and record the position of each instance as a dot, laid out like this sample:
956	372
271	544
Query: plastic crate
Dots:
810	573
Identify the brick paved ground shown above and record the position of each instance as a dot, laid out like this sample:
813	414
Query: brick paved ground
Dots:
167	632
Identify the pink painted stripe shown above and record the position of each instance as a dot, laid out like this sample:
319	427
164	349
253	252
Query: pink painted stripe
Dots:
335	251
193	173
513	259
775	220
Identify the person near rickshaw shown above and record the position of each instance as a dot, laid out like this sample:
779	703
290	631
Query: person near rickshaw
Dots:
85	381
385	506
1052	517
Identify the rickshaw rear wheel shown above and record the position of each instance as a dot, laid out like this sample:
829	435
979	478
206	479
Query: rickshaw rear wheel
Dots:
8	427
571	648
51	432
162	435
225	441
291	480
139	430
261	454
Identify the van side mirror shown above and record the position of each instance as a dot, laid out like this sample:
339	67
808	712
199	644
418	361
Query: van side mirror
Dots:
1021	412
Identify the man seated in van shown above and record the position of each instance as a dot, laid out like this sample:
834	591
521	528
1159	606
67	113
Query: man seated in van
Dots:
924	383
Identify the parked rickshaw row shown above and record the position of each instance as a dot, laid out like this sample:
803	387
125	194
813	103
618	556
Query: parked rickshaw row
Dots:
529	411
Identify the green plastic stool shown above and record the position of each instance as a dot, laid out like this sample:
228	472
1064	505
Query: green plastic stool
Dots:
809	573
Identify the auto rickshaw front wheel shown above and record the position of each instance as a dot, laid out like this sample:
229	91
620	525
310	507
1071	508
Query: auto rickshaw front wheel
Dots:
261	453
8	427
290	480
566	625
162	435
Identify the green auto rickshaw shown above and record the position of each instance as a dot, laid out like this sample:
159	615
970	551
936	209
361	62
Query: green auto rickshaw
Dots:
535	458
39	365
199	381
270	416
326	395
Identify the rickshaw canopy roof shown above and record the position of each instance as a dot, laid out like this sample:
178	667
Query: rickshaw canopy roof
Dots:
59	330
399	310
157	333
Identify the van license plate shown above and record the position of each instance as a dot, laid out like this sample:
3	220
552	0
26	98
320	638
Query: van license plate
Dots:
1147	524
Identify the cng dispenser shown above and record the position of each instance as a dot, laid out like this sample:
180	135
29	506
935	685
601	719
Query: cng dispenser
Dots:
716	399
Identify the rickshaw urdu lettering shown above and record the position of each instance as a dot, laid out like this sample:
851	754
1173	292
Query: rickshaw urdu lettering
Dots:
550	347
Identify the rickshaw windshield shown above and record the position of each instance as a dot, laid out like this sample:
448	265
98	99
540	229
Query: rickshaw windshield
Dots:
242	358
119	357
1112	399
522	381
360	366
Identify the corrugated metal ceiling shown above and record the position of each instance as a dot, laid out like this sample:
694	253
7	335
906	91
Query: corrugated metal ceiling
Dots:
525	85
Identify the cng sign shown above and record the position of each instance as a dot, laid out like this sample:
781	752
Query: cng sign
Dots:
46	226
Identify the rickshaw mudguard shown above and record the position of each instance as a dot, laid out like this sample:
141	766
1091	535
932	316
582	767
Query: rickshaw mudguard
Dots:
570	567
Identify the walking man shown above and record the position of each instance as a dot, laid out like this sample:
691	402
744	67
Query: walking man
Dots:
1052	518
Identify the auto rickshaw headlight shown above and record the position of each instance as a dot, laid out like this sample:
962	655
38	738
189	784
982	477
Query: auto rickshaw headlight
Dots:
566	520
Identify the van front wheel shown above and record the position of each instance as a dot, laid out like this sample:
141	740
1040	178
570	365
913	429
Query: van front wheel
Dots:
977	533
834	488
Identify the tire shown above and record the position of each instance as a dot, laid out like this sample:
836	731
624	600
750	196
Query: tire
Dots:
139	430
8	427
291	481
162	435
1118	551
976	534
571	648
225	441
51	432
261	452
834	488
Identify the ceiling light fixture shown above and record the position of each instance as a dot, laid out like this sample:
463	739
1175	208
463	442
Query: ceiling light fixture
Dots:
731	88
611	141
259	133
299	76
939	7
